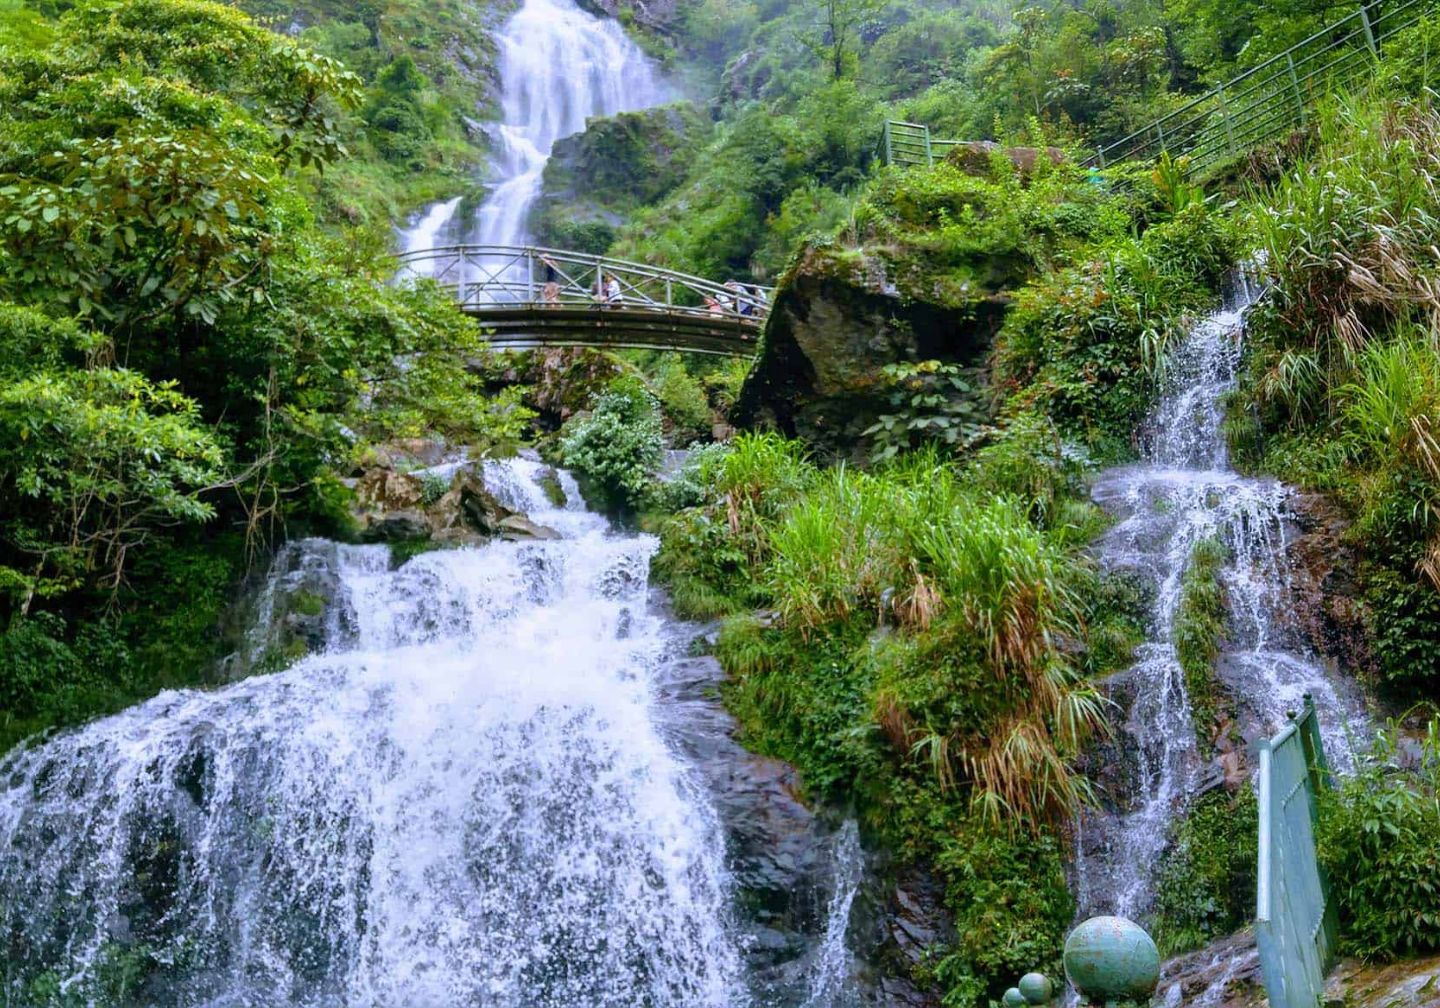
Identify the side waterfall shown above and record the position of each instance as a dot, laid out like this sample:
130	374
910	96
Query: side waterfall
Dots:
558	67
1183	492
496	785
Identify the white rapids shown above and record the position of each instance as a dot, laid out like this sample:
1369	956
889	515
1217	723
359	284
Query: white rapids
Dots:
464	800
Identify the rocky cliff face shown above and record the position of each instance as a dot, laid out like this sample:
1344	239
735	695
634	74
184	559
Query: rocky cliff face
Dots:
656	15
842	315
595	179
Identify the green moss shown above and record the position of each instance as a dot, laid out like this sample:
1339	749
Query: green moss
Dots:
1199	630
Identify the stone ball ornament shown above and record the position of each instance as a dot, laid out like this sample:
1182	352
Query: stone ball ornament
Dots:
1111	959
1036	988
1014	999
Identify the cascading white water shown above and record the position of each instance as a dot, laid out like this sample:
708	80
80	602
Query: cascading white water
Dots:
1185	492
832	977
559	66
464	800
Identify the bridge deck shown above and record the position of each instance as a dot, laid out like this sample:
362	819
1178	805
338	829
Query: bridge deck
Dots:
528	297
526	326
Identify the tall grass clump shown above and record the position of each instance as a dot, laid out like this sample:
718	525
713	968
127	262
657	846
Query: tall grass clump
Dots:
1199	630
1343	385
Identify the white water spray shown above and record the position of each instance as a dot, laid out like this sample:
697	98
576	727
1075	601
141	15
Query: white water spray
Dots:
464	800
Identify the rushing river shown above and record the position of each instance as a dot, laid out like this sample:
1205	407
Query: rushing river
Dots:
484	790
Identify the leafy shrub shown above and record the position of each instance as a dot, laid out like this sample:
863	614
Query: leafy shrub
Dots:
1376	840
930	402
683	405
1205	886
615	449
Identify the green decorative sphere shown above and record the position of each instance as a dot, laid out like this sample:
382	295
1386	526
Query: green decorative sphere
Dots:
1112	959
1013	998
1036	988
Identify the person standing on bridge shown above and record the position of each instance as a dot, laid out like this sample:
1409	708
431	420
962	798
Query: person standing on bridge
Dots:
612	290
550	293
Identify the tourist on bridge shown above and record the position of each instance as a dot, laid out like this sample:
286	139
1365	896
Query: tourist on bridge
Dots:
612	290
550	293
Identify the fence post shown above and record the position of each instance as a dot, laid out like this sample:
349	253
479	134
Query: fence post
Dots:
929	157
1295	87
530	275
889	146
1225	118
1369	33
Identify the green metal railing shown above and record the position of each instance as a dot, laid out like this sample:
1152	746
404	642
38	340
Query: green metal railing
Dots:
1260	105
1275	97
1295	919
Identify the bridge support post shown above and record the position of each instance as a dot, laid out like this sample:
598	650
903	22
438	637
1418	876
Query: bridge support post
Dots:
1295	87
1225	118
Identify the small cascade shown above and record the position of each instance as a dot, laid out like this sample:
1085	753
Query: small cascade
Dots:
832	977
1186	491
559	66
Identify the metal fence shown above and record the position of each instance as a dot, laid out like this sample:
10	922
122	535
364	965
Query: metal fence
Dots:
1295	920
1262	104
1275	97
506	275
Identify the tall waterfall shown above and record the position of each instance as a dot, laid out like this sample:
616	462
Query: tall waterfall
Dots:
464	800
1183	492
558	67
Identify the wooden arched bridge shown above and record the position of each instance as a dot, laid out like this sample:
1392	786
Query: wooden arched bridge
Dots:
529	297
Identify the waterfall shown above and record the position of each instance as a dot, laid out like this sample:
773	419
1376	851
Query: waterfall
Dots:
1185	491
559	66
463	800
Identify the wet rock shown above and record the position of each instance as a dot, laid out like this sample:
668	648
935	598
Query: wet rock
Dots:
840	317
1223	974
517	526
384	489
657	15
1328	607
476	505
397	527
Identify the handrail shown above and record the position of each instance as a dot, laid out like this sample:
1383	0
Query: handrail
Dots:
513	276
1225	120
1252	107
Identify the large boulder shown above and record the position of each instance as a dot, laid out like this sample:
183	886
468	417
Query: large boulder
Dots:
656	15
840	316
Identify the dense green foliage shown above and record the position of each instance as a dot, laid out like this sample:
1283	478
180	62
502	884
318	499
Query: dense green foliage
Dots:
1344	379
615	448
1199	630
919	659
1206	883
186	352
1377	840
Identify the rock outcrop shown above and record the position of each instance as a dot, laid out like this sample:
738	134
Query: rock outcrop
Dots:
595	179
840	316
656	15
394	509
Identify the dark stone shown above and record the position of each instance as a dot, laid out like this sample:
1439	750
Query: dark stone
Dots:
397	527
841	316
477	506
656	15
595	179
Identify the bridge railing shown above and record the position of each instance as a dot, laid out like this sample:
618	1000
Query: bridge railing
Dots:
501	276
